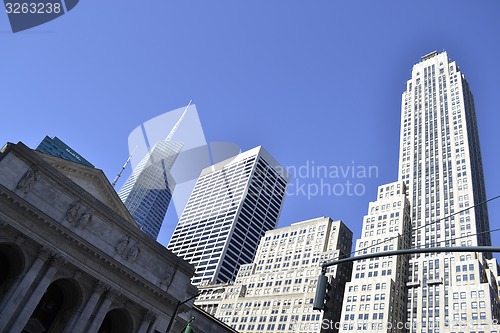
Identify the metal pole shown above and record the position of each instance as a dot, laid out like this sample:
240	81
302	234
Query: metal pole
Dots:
321	284
414	251
177	306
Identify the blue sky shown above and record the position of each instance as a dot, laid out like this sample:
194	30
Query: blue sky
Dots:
311	81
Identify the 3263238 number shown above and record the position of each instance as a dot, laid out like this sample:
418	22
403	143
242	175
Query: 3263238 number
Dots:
32	8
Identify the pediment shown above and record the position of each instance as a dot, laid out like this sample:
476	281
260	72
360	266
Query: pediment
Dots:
91	180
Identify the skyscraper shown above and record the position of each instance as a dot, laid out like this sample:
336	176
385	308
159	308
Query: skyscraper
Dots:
56	147
148	190
274	293
232	205
440	162
375	298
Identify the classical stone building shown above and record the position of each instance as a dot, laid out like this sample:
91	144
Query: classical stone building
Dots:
73	260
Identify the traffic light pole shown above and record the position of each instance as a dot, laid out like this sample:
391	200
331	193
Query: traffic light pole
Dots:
323	280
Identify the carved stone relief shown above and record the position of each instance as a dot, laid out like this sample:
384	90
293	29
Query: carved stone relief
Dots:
27	180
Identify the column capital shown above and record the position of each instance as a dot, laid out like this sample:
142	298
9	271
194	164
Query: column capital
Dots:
45	253
149	316
58	261
20	239
112	293
100	287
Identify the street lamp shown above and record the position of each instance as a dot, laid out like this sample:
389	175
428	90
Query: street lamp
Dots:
178	305
188	328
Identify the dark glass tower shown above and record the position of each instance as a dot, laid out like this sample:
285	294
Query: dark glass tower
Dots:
55	147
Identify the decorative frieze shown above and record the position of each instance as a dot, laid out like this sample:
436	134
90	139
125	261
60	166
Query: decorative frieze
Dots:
133	252
27	181
78	215
72	212
167	277
122	245
126	251
84	218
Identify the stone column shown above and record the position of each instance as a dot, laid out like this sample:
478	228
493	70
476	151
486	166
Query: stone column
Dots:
152	327
12	303
84	317
36	296
103	310
148	318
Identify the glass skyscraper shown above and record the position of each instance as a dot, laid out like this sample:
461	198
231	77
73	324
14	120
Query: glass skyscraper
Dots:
148	190
56	147
233	204
440	163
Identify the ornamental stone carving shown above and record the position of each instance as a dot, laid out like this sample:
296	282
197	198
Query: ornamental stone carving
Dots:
58	261
78	215
20	239
72	212
122	245
78	275
27	180
167	277
149	316
101	287
112	293
133	252
84	218
45	253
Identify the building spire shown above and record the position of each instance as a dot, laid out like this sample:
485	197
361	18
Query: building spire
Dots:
123	168
176	126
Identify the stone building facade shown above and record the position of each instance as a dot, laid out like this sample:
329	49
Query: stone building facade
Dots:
375	298
275	293
73	260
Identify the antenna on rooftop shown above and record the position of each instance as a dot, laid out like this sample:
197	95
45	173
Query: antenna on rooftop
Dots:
177	124
123	168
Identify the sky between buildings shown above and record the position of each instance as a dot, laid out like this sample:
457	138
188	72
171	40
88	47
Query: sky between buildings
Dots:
317	83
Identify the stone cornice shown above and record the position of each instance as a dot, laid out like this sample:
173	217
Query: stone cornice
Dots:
39	226
83	248
34	160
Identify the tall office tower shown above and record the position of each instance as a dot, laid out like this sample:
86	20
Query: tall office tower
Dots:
275	293
232	205
148	190
375	299
56	147
440	162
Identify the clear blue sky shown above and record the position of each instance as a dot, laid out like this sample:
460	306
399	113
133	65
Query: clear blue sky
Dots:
309	80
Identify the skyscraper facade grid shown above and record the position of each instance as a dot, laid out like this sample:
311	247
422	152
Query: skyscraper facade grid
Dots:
275	292
232	205
440	163
148	190
376	297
